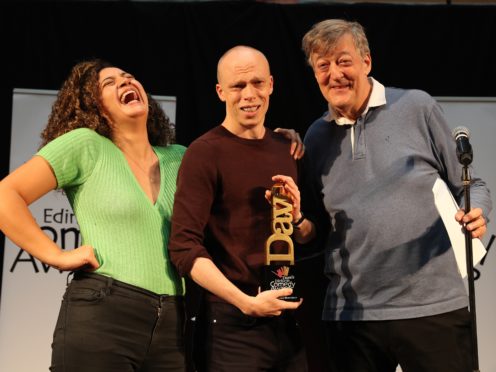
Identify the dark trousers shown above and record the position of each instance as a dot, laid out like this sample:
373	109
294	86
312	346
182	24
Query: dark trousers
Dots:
237	342
439	343
109	326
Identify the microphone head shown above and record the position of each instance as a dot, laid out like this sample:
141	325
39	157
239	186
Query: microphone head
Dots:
463	148
460	132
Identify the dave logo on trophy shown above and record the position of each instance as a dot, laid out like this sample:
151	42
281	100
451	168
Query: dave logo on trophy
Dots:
279	248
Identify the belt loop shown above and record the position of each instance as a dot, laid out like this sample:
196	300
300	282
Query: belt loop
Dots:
110	283
67	281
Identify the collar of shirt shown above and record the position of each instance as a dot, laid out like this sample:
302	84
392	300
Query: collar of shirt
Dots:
377	98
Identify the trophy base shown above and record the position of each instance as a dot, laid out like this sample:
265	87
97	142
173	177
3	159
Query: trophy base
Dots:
278	277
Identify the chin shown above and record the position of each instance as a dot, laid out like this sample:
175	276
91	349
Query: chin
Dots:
250	124
338	103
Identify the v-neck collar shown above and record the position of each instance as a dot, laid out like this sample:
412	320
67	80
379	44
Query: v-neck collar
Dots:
138	185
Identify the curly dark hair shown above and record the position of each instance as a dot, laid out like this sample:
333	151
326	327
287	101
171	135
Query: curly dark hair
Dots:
79	105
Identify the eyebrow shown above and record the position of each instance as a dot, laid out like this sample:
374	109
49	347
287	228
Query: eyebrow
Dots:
107	78
123	73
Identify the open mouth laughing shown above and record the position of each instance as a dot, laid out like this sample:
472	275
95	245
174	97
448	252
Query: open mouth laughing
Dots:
129	96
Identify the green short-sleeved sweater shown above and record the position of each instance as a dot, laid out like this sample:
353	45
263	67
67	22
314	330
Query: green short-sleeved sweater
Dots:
130	235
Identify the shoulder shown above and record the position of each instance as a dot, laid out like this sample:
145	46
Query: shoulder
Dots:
208	141
170	157
80	134
318	127
84	134
81	139
74	155
173	150
414	97
277	137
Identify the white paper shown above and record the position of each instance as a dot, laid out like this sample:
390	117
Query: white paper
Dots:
447	208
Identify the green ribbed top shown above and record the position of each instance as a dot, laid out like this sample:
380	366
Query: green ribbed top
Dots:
130	235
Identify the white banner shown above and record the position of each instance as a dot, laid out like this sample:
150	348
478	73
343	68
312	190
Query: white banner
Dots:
31	290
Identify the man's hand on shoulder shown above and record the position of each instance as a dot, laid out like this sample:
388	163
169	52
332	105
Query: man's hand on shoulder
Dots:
297	148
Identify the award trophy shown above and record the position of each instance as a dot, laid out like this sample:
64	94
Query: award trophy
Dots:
278	271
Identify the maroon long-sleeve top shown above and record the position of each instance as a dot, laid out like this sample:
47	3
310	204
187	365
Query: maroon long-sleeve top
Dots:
220	210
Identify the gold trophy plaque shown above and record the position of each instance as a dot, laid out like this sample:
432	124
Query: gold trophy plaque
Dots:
279	268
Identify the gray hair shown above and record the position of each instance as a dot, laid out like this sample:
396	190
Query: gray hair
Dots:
322	37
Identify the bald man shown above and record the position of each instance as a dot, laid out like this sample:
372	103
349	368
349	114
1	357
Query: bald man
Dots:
221	221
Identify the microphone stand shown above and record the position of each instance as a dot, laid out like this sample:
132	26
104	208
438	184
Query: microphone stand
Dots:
470	271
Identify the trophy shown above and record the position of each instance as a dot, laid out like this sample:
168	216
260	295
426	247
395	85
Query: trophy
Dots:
278	271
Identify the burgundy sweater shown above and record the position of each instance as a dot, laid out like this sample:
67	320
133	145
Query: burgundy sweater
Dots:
220	211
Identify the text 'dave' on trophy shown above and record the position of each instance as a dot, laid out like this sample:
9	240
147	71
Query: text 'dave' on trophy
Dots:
279	268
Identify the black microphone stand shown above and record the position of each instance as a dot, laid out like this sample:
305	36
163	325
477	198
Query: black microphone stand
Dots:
470	270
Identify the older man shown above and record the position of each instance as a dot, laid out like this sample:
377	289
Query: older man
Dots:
395	295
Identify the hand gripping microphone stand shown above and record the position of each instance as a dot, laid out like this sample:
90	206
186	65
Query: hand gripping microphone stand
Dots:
465	156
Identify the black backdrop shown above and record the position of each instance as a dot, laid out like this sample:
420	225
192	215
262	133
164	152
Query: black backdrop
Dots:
173	48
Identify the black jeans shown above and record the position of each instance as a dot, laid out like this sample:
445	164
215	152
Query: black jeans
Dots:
237	342
105	325
438	343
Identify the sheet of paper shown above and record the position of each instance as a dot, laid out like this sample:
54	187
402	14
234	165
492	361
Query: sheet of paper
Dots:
447	207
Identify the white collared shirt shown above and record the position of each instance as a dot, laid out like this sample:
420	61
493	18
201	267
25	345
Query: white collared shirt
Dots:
377	98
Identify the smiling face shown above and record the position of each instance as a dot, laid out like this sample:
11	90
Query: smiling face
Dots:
342	75
123	96
245	85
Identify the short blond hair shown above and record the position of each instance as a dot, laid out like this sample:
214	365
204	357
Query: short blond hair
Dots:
238	48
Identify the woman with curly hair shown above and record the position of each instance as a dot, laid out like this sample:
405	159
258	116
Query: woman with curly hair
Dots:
108	146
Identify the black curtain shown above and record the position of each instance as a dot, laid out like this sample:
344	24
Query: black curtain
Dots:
173	49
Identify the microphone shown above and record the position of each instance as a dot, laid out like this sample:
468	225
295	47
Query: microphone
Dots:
463	147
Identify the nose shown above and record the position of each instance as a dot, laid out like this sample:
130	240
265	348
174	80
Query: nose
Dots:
249	92
125	81
335	72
